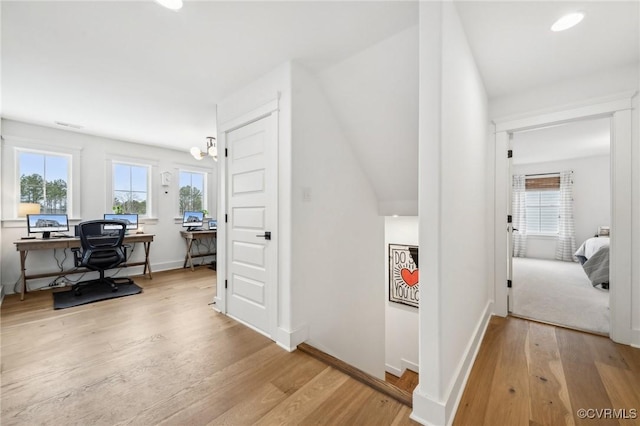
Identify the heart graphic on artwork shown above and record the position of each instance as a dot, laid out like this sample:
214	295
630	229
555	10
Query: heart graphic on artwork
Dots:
409	277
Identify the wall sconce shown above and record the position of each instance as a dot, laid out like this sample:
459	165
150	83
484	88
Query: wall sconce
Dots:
212	150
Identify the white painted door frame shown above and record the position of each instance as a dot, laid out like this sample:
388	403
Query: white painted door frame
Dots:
619	109
269	109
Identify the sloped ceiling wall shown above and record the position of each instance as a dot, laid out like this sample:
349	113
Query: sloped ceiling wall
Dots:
374	94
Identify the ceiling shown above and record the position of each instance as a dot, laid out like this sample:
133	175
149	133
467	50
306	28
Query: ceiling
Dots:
135	71
515	51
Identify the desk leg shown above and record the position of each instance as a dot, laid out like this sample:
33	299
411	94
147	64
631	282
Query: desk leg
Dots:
23	275
187	257
147	265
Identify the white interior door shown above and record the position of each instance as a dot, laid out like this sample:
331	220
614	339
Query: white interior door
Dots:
252	219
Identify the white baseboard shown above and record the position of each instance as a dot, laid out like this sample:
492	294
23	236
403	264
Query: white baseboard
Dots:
289	340
218	304
393	370
404	365
635	338
408	365
428	411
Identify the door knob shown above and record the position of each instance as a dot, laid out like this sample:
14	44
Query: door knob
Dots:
266	235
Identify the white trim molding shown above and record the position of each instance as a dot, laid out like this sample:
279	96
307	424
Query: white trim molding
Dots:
619	109
443	413
289	340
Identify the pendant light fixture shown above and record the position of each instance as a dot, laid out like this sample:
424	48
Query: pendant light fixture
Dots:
212	150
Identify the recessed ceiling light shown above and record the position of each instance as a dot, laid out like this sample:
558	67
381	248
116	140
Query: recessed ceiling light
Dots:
171	4
567	21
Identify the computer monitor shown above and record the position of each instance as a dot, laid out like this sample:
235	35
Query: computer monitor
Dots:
131	219
47	223
213	224
192	220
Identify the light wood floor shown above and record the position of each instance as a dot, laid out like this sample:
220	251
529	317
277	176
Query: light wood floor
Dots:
527	373
165	357
408	381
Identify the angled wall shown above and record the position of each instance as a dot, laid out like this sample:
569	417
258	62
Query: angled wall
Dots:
374	95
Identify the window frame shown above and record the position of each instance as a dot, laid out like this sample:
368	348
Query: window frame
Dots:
12	147
205	190
211	193
539	208
150	166
69	158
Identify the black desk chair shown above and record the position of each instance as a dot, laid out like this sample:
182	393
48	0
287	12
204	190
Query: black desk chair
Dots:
101	249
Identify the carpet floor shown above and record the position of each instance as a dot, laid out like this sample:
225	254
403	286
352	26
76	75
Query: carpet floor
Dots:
559	293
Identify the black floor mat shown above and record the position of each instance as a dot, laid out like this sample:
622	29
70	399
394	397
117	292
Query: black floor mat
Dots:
92	292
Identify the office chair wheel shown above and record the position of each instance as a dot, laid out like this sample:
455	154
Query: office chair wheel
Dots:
114	288
77	292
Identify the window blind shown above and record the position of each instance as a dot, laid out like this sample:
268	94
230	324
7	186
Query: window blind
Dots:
542	183
542	200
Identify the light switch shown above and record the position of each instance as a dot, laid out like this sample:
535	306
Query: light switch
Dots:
306	194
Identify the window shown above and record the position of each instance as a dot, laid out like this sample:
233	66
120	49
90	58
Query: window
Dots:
542	201
192	191
130	188
44	182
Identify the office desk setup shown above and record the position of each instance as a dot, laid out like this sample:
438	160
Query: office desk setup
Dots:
26	245
190	237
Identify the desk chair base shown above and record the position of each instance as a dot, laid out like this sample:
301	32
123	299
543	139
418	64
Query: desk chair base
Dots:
111	282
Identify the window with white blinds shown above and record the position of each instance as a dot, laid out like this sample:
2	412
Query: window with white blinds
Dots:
542	201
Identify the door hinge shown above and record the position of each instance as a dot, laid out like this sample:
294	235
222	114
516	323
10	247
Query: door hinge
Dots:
509	219
226	218
508	283
225	283
510	153
226	152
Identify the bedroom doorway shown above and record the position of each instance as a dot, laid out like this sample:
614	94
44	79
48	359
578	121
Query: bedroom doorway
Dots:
561	198
620	109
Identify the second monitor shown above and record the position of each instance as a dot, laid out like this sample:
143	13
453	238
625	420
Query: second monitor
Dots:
193	221
130	219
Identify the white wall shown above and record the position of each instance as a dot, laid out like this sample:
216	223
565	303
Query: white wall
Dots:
454	303
374	95
401	321
591	199
167	250
337	236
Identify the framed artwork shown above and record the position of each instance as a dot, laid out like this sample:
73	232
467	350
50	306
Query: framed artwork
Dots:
404	283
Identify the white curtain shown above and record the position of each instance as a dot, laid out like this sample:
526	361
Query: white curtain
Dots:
519	213
566	246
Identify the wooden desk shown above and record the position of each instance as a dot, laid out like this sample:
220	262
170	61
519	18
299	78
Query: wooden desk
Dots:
189	237
24	246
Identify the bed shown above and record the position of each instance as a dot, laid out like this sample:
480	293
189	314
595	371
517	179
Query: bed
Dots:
593	254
